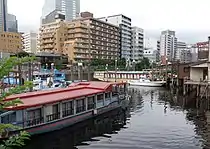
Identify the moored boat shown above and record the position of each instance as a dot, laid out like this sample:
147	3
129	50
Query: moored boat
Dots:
146	82
50	110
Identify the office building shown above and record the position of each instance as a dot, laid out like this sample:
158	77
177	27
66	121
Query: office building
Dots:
30	42
12	24
82	39
69	8
137	50
168	45
124	23
3	15
11	42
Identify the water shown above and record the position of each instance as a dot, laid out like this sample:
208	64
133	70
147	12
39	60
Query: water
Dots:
156	119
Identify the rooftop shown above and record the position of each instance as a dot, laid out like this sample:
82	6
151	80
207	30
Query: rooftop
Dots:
76	90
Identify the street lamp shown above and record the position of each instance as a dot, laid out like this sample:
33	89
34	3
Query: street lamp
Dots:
152	71
166	69
52	67
133	64
107	71
116	70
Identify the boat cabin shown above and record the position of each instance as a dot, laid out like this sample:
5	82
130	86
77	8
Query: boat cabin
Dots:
45	107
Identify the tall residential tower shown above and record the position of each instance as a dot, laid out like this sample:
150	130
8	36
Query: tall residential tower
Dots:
124	23
137	44
168	45
3	15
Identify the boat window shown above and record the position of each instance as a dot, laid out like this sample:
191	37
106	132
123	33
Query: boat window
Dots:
58	75
68	109
10	118
56	108
80	105
100	98
34	117
91	103
55	113
107	95
57	85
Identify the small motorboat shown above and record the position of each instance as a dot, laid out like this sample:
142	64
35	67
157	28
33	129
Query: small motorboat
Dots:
146	82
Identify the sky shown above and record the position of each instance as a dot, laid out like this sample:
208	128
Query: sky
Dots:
189	18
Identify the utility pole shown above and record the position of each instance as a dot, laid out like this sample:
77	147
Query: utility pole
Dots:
116	70
166	77
89	51
152	72
30	75
107	72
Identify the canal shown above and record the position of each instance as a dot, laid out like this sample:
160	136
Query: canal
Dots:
156	119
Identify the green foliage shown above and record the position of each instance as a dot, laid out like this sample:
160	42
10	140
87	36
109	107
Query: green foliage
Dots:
144	64
6	66
100	64
15	141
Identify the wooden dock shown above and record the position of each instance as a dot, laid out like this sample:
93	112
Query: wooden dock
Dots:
199	90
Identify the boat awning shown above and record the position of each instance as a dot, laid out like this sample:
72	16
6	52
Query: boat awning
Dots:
39	100
75	91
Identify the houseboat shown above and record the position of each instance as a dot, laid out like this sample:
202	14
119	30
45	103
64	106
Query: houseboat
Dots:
45	111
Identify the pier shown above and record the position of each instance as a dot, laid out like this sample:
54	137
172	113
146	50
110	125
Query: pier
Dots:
198	84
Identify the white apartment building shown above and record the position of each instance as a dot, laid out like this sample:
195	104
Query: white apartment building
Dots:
125	32
168	45
152	49
137	50
151	54
30	42
70	8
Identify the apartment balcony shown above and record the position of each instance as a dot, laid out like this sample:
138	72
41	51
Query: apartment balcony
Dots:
81	36
46	36
82	41
48	47
81	46
46	41
85	52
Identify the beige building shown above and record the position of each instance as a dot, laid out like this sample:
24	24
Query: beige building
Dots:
11	42
82	39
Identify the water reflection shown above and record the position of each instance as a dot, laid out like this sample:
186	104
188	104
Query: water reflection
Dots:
80	134
156	119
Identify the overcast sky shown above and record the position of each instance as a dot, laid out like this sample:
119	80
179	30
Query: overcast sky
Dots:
189	18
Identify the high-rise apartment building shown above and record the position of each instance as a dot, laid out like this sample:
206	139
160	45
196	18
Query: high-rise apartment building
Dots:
70	8
12	24
124	23
137	44
82	39
168	45
3	15
11	42
30	42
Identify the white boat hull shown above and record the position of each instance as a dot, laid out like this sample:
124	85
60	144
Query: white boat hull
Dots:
152	83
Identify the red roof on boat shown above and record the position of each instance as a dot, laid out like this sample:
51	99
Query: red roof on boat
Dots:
76	90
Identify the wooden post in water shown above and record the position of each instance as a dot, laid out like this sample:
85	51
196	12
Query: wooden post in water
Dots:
184	89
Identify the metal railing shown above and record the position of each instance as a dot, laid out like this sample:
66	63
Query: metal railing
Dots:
53	117
35	121
68	112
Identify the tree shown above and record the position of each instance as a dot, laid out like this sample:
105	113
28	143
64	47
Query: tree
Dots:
144	64
6	66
